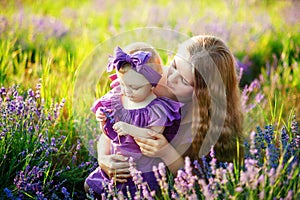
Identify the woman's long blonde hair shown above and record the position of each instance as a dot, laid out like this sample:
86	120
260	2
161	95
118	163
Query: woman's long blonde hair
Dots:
212	61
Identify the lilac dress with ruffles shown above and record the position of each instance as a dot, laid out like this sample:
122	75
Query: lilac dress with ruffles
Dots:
161	111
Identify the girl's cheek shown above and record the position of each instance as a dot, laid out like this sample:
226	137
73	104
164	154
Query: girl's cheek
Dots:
170	71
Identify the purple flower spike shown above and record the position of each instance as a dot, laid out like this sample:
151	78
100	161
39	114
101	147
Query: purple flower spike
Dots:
108	115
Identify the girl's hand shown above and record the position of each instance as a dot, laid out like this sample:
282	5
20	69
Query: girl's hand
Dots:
156	146
115	166
122	128
100	116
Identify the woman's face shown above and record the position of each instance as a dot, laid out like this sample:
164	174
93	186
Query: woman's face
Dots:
180	79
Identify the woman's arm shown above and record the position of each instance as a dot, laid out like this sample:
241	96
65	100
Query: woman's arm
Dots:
114	165
158	146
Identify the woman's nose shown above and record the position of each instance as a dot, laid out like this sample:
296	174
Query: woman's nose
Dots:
173	76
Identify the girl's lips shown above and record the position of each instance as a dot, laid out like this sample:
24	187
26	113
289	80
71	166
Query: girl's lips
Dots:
129	97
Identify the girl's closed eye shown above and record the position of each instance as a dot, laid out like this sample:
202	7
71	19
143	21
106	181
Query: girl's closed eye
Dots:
135	88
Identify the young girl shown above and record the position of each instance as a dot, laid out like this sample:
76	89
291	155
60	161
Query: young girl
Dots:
134	104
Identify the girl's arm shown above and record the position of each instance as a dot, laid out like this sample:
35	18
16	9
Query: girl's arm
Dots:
101	117
123	128
154	144
114	165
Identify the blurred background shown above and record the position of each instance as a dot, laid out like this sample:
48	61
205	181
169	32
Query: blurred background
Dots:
42	39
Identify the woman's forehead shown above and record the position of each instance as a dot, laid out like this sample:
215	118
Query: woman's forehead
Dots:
183	53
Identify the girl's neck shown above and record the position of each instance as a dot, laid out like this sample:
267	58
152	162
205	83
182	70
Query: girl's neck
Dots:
130	105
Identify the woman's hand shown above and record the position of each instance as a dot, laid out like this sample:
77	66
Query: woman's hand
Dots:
156	146
115	166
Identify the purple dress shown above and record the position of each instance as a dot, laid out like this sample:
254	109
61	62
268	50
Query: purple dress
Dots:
161	111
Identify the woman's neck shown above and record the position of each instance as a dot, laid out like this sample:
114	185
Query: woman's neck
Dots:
187	113
130	105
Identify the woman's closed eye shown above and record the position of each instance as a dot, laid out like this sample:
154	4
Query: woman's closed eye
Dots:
185	82
173	64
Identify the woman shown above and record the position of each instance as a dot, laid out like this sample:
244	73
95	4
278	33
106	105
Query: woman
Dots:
202	76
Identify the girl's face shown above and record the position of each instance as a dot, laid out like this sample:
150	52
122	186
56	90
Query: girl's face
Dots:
180	79
135	86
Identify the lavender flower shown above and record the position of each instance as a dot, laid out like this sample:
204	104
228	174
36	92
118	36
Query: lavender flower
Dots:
161	177
272	155
296	134
250	175
289	196
3	24
198	169
284	138
248	92
25	121
205	189
259	97
244	65
65	193
108	115
185	181
8	193
253	150
136	175
46	26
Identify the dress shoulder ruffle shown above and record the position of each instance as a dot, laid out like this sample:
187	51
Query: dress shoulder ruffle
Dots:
161	111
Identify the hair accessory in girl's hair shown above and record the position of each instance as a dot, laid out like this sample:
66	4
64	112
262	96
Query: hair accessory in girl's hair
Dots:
137	62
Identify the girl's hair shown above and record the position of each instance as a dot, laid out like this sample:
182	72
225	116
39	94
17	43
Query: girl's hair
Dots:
211	57
154	61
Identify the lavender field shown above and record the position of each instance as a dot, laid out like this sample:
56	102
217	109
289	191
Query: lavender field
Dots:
48	145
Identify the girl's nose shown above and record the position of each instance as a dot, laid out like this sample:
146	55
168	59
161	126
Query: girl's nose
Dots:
127	90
